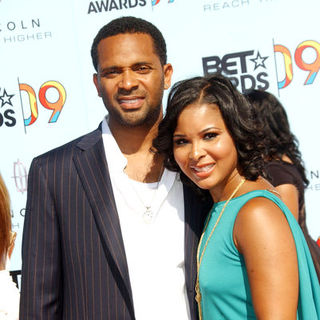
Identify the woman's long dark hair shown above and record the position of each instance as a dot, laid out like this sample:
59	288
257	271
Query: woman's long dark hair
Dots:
236	113
278	139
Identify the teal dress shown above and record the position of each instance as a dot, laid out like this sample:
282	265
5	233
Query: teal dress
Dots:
223	278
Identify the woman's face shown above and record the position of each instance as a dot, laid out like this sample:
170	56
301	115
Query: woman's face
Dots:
203	147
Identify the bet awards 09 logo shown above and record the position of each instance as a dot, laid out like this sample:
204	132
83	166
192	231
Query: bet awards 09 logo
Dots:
55	107
7	112
306	56
51	95
155	2
112	5
246	69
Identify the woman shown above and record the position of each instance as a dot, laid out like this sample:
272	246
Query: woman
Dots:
253	261
9	294
284	166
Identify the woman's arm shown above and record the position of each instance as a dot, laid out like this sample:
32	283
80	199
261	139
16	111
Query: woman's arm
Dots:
263	236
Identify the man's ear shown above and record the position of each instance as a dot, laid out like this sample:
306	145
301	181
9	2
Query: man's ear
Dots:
96	83
167	70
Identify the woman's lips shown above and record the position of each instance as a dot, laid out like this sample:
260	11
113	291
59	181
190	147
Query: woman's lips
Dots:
202	171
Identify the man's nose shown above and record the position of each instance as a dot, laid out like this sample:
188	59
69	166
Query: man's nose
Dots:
128	80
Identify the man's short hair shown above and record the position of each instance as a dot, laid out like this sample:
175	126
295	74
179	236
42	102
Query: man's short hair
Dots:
130	25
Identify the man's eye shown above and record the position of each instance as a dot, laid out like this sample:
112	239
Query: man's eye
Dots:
142	69
110	73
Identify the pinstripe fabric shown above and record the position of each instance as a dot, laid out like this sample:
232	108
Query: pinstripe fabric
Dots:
73	260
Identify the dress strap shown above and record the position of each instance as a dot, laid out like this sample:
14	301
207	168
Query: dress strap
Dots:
274	192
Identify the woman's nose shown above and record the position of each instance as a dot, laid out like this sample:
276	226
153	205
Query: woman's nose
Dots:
197	152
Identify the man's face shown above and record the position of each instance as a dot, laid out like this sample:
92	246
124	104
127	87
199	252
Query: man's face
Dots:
130	79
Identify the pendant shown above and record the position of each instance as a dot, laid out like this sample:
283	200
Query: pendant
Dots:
148	215
198	299
198	294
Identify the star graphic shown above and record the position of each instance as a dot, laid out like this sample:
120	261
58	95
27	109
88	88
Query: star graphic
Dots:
259	61
6	98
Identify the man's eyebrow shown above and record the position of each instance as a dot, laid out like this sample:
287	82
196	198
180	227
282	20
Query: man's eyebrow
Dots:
134	65
141	63
110	68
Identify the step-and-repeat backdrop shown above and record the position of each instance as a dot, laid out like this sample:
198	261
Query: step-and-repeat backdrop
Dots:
47	96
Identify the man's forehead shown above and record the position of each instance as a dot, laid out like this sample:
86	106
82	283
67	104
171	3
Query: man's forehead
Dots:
128	48
118	39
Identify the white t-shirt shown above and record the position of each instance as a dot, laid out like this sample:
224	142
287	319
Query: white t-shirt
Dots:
154	244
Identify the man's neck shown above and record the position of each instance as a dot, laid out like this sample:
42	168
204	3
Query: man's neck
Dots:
135	144
134	140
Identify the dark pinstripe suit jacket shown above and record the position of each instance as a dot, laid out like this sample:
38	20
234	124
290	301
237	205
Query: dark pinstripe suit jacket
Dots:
74	265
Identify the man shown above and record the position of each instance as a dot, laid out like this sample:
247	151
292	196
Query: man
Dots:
109	233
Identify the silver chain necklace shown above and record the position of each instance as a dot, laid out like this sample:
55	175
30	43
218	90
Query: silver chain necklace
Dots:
148	213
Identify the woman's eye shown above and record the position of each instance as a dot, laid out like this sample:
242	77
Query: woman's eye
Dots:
180	142
210	135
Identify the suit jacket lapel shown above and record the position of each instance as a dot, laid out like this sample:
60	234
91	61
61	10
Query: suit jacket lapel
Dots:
190	246
196	210
91	164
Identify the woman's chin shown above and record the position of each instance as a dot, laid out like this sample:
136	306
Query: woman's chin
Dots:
204	185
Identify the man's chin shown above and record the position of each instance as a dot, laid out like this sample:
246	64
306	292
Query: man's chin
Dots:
132	122
137	118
